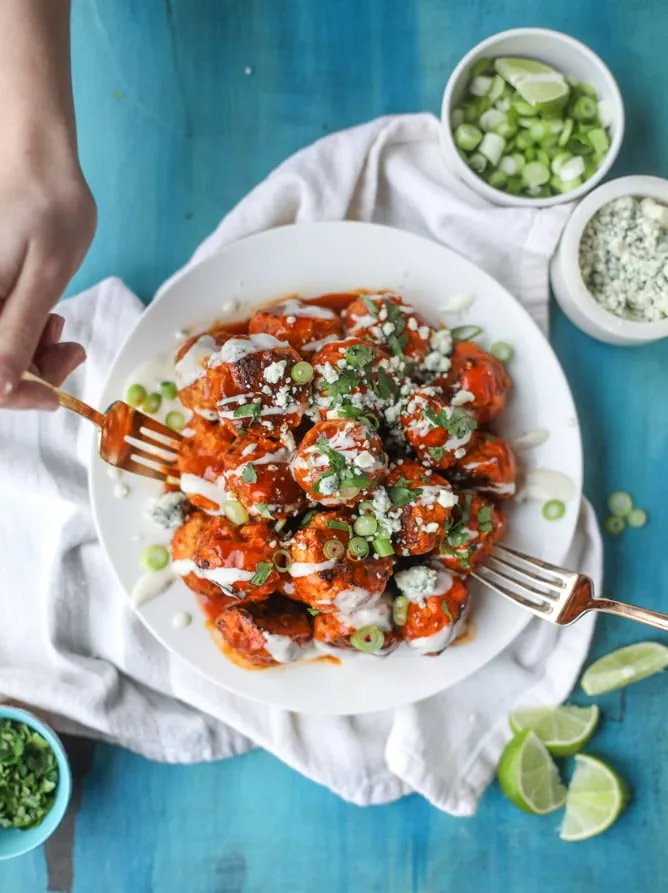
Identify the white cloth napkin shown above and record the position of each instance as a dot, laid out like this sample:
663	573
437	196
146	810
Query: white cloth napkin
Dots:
71	645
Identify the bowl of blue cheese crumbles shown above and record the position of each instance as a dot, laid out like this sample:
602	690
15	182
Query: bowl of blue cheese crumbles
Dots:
610	272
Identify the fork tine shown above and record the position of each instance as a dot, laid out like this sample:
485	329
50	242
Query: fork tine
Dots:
158	453
158	428
144	470
534	607
533	562
148	459
526	581
149	437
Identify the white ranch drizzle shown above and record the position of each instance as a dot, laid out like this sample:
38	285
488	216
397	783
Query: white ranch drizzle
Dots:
305	568
530	440
225	577
544	484
458	303
181	620
192	485
281	648
152	584
189	368
236	349
310	311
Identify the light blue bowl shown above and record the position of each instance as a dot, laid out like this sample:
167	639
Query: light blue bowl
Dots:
16	843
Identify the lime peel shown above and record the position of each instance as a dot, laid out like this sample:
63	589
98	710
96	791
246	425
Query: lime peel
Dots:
529	777
563	730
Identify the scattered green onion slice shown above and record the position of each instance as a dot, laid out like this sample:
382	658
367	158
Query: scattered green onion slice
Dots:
302	372
334	549
400	610
620	503
370	420
365	526
358	547
502	351
308	517
154	558
136	395
335	524
467	137
235	512
175	420
368	639
169	390
383	547
263	511
262	571
614	525
465	333
554	509
249	474
282	560
152	403
366	507
348	492
637	518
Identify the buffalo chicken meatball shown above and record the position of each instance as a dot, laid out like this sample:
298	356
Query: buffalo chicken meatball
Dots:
370	629
437	431
201	463
239	561
424	501
323	572
339	462
265	633
476	380
435	602
391	323
257	474
304	326
352	377
245	379
488	465
476	526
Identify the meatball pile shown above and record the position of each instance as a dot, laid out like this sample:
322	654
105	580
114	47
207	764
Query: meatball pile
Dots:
340	475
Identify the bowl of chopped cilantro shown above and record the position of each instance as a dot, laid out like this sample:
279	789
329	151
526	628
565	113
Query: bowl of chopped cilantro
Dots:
35	782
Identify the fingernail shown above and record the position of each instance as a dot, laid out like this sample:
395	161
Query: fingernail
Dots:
58	326
6	383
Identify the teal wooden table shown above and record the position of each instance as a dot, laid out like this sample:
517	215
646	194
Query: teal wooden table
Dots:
183	106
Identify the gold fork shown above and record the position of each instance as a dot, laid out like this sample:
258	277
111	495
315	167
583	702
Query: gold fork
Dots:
553	593
129	439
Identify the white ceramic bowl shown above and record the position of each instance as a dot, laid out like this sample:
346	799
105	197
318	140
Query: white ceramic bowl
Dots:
565	54
567	283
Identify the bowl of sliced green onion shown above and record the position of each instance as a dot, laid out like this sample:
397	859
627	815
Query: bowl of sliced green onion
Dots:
531	117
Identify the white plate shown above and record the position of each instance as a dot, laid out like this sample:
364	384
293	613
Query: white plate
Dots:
312	259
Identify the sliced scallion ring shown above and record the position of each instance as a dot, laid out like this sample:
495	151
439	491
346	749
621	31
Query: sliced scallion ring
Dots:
465	333
365	526
368	639
334	549
154	558
614	525
235	512
366	508
502	351
554	509
176	421
620	503
358	547
383	547
302	372
637	518
400	610
152	403
136	395
348	492
282	560
169	390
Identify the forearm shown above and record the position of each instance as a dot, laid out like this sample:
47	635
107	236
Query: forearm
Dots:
35	76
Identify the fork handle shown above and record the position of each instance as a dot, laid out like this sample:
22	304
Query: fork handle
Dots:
632	612
68	401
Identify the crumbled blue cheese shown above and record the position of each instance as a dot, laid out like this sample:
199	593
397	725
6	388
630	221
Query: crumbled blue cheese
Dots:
275	371
168	511
417	583
624	258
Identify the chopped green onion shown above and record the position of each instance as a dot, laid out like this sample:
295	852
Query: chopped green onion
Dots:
614	525
535	174
524	140
620	503
368	638
637	518
559	160
502	351
364	507
152	403
566	132
481	66
136	395
308	517
599	141
467	137
492	147
477	162
169	390
400	610
235	512
587	89
365	526
154	558
524	108
358	547
175	420
263	511
334	549
456	118
347	493
497	179
249	474
282	560
383	547
584	109
480	85
335	524
248	410
490	119
465	333
262	571
497	88
302	372
572	169
554	509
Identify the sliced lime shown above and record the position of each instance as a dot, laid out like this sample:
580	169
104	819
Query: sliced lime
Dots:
596	796
528	777
563	730
624	666
542	87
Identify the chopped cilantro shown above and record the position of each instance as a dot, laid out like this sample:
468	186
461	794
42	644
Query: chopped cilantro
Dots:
370	306
28	776
400	494
397	343
396	317
252	410
446	610
313	612
436	453
456	421
348	380
249	474
359	355
263	511
337	462
385	386
485	519
262	571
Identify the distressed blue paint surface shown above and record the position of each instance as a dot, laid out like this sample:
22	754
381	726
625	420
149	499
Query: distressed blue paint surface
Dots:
172	134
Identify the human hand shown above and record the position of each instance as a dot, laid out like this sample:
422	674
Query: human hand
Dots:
47	221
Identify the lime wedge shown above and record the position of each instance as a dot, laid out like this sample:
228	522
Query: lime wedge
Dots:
538	84
596	796
563	730
624	666
528	777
